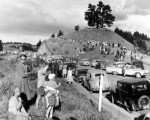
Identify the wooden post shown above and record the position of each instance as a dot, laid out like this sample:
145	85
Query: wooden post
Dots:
100	92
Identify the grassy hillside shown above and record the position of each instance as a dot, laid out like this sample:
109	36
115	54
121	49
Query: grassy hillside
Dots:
64	46
73	103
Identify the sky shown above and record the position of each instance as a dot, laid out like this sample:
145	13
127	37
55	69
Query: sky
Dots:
33	20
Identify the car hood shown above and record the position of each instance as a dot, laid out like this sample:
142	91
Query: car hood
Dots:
106	83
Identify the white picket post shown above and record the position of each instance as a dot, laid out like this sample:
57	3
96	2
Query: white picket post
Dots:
100	92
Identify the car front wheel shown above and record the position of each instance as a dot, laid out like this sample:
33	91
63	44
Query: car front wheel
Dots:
143	102
138	75
114	73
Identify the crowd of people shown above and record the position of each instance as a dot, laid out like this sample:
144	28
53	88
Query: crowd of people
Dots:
46	88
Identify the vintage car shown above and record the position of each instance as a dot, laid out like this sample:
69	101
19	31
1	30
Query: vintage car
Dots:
85	62
134	71
94	62
92	80
80	74
115	68
101	65
132	94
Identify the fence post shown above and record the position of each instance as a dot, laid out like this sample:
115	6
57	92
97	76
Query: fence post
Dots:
100	91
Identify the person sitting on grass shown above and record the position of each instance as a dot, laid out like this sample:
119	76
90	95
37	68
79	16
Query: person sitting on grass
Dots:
16	110
50	88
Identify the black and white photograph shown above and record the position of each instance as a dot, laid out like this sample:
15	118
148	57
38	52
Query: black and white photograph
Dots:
74	60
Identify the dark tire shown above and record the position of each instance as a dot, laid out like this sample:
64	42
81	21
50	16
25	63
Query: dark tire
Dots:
143	101
137	75
114	73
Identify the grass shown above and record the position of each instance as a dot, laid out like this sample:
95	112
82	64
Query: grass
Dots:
73	103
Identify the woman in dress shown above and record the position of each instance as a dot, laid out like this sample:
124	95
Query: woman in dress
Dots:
69	76
21	77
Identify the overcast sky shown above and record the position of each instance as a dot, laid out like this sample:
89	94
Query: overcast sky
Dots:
31	20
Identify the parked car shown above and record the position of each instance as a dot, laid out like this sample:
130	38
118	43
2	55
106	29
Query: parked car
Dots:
132	94
115	68
94	62
85	62
134	71
80	74
101	65
92	80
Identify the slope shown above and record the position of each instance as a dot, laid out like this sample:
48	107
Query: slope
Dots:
71	43
97	35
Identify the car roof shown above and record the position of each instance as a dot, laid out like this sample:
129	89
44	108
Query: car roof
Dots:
119	62
69	63
134	81
96	71
82	69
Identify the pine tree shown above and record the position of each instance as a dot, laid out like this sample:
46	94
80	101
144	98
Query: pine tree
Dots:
1	45
77	28
60	33
99	16
53	35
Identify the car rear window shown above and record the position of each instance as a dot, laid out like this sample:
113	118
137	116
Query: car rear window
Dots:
82	72
139	87
98	75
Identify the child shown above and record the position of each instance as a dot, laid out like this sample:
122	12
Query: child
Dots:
69	76
64	71
50	88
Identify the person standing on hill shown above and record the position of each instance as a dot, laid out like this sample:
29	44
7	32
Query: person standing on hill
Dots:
52	67
22	77
56	68
21	50
64	71
69	76
41	79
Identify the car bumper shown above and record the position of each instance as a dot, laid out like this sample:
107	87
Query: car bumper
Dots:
95	89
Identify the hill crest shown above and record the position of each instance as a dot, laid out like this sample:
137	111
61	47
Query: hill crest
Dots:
71	41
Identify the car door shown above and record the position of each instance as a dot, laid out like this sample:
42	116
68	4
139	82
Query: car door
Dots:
119	69
128	70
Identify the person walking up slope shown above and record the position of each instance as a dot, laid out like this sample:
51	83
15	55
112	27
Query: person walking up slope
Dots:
69	76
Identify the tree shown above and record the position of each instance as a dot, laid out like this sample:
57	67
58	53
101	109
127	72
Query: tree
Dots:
53	35
77	28
38	44
60	33
99	16
1	45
